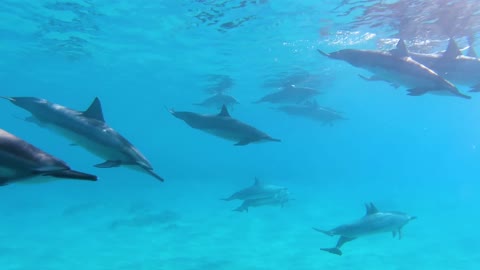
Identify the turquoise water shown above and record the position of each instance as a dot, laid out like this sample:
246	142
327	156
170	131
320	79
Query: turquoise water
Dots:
413	154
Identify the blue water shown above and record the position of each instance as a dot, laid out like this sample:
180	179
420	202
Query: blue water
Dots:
413	154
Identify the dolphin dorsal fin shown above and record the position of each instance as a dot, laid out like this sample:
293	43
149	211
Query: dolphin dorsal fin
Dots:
95	111
258	182
400	50
452	50
370	209
224	112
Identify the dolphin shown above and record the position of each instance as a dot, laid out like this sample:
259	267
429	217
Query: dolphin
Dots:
23	162
87	129
373	222
218	100
398	68
224	126
290	95
453	66
279	198
312	111
258	190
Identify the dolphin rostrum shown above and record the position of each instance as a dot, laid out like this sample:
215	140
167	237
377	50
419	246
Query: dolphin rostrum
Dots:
224	126
258	190
398	68
87	129
373	222
23	162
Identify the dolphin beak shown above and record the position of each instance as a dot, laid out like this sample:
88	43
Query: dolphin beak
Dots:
323	53
9	98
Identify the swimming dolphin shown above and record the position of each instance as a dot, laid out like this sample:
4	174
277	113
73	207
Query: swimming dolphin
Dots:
23	162
218	100
257	191
290	95
453	66
373	222
279	198
87	129
398	68
312	111
224	126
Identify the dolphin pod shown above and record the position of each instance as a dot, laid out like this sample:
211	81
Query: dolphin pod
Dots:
23	162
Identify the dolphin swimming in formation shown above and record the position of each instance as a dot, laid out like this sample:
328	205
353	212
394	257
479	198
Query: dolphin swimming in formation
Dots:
23	162
87	129
258	190
453	66
373	222
398	68
312	111
218	100
279	198
290	95
224	126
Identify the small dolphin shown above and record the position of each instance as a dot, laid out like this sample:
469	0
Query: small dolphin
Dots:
398	68
312	111
218	100
23	162
224	126
279	198
258	190
87	129
372	223
453	66
290	95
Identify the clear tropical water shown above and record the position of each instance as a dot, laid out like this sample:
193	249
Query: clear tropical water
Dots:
413	154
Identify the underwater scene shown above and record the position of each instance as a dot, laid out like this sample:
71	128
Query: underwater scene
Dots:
239	134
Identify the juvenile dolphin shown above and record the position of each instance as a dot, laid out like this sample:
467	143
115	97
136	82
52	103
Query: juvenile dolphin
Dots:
87	129
312	111
398	68
290	95
372	223
279	198
218	100
257	191
23	162
224	126
453	66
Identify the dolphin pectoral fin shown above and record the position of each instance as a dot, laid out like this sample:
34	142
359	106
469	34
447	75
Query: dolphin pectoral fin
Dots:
334	250
342	240
417	91
244	142
71	174
394	233
109	164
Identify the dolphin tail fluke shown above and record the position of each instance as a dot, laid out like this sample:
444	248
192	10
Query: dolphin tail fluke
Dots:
71	174
334	250
329	233
475	88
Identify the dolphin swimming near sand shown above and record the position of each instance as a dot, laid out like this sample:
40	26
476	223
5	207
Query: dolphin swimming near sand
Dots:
23	162
453	66
290	95
258	190
87	129
398	68
373	222
279	198
218	100
224	126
